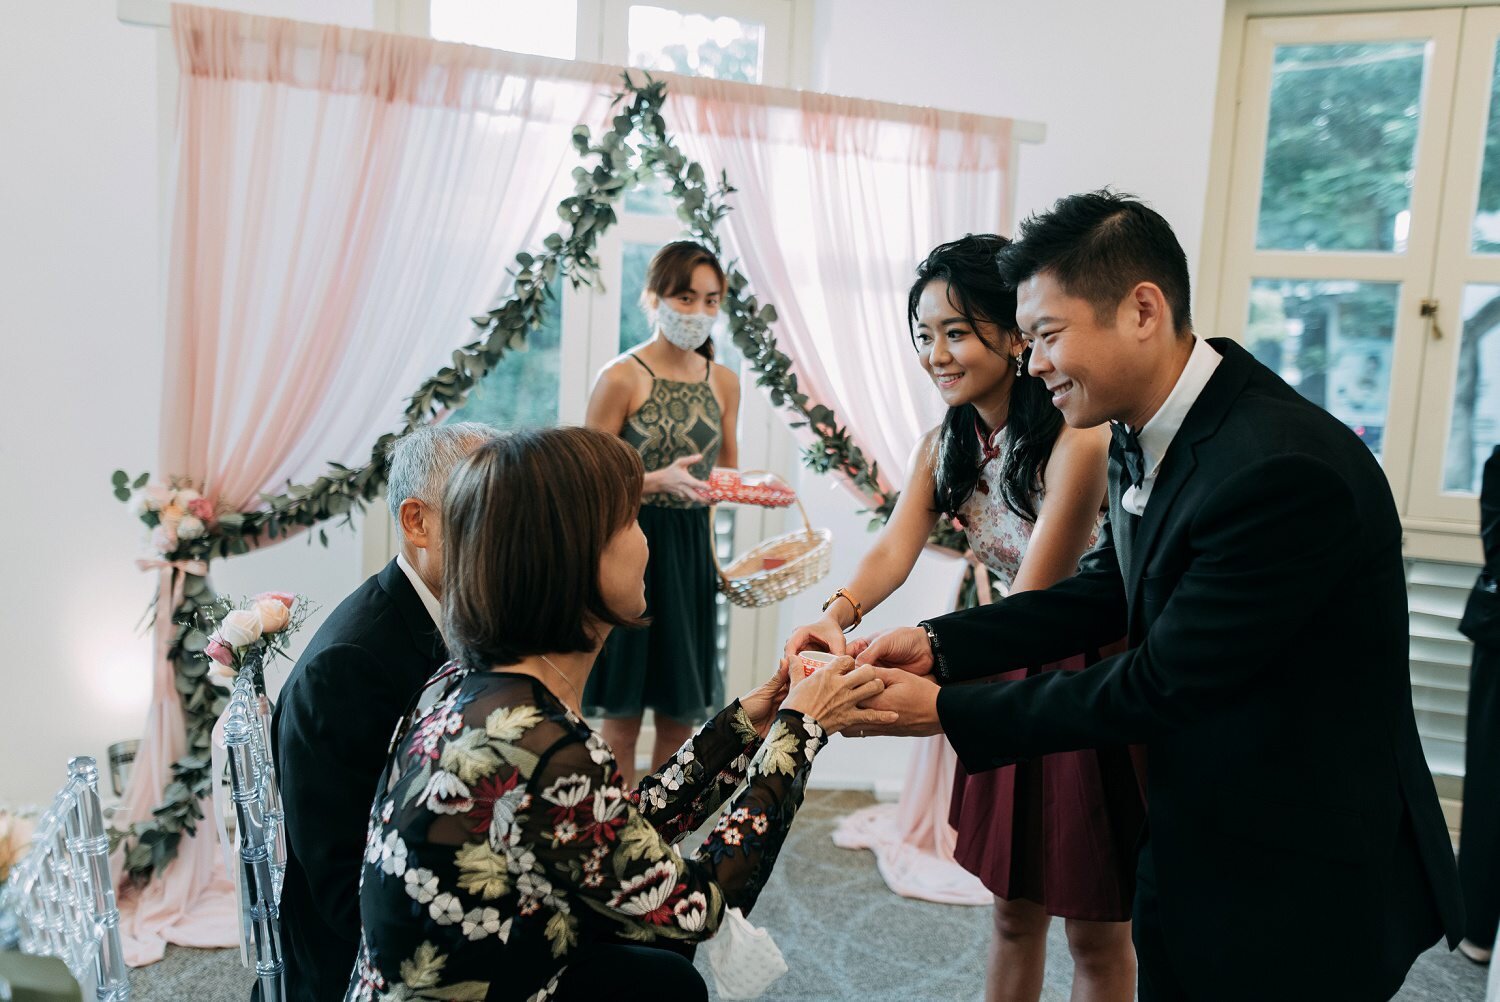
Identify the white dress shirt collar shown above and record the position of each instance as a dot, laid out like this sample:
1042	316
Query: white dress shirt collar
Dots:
1157	435
429	600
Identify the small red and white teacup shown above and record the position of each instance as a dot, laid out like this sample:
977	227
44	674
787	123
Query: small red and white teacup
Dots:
813	660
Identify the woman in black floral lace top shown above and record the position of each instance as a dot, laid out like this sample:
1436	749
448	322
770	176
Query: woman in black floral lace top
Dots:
505	857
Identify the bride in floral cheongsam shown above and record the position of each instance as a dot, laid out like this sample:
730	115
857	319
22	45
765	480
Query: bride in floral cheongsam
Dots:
503	847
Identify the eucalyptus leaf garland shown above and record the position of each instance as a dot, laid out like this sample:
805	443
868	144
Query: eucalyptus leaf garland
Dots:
635	148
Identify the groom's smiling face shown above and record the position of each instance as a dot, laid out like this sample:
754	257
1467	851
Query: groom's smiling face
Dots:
1075	355
1098	364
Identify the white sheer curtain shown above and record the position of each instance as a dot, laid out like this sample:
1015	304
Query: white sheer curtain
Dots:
345	201
838	200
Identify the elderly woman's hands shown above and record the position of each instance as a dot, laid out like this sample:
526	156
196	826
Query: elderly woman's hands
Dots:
761	703
832	696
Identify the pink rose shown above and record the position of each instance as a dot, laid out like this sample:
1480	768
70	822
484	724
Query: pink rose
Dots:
273	615
219	651
201	508
164	539
286	598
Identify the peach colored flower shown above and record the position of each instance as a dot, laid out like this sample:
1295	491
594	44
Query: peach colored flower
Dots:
172	513
274	616
15	840
286	598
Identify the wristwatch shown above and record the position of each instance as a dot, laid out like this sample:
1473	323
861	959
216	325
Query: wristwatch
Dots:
859	614
939	665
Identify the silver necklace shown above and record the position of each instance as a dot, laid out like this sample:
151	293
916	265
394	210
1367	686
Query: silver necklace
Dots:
577	700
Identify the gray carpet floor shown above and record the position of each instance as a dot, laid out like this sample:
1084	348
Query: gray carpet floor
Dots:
843	934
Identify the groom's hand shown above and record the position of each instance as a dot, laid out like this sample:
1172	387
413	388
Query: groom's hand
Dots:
914	700
906	648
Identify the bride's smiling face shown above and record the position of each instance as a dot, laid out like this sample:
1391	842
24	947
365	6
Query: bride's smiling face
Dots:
967	360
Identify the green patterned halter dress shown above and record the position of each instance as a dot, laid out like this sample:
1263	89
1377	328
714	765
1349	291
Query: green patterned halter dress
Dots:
670	666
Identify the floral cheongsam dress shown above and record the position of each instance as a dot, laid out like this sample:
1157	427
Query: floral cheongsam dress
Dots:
502	838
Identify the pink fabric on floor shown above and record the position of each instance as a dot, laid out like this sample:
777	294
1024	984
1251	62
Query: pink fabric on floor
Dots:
192	903
911	839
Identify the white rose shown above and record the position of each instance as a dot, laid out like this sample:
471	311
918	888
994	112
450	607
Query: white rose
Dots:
240	628
190	527
222	676
156	497
163	539
274	616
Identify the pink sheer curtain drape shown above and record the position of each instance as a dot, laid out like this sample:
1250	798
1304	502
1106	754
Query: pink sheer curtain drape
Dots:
345	200
838	200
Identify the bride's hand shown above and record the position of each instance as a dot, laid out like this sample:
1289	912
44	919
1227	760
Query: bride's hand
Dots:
761	703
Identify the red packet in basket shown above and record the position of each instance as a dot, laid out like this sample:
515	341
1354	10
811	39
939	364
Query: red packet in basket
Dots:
766	490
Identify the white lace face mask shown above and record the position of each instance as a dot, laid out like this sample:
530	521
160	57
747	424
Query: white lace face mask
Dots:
687	331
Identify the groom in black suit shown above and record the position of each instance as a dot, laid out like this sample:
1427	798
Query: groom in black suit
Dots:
1253	557
334	717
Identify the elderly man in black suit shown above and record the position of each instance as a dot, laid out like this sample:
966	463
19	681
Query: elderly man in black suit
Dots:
335	715
1253	557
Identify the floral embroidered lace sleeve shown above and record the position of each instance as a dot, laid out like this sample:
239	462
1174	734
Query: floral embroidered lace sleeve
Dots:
695	781
505	839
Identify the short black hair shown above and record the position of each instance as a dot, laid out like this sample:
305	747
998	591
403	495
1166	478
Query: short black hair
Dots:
1100	245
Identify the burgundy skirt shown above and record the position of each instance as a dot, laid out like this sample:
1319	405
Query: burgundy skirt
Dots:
1061	830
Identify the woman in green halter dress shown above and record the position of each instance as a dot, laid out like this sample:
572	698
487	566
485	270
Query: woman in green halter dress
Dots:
675	406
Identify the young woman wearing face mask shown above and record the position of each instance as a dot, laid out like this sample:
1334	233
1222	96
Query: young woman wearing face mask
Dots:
676	407
1052	836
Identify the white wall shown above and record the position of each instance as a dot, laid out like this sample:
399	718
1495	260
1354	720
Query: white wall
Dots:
1126	102
81	335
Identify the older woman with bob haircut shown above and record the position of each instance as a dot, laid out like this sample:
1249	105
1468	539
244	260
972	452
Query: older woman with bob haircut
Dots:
505	857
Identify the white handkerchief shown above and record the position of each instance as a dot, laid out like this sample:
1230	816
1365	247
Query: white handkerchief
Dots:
744	959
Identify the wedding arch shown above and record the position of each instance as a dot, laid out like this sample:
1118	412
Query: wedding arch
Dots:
635	148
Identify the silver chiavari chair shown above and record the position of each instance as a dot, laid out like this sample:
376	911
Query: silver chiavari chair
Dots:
62	893
261	834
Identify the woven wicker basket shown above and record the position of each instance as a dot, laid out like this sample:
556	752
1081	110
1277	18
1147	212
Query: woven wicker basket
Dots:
808	554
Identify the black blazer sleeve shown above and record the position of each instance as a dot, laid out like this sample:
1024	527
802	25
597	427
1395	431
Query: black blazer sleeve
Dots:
1265	550
332	744
1085	611
1489	515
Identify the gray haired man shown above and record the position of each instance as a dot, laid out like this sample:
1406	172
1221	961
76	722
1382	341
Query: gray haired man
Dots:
336	713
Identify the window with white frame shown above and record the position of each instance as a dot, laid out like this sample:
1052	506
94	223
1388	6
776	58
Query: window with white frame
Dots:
1360	259
743	40
1361	248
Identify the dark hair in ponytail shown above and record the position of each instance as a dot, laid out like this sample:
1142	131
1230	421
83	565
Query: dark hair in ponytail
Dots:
977	291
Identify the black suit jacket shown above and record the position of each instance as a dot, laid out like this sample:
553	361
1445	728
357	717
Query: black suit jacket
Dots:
331	732
1298	846
1481	622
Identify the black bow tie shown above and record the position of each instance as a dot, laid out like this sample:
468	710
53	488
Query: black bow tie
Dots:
1130	448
